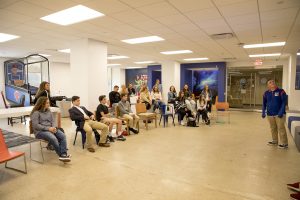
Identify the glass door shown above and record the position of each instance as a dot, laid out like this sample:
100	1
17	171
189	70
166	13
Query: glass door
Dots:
246	86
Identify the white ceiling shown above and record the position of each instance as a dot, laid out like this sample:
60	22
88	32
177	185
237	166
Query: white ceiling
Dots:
184	24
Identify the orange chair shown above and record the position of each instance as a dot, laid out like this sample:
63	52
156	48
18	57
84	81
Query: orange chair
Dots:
6	155
222	109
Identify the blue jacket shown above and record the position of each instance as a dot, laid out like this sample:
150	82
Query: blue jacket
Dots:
274	102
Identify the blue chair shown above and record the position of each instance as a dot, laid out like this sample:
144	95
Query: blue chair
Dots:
166	111
292	118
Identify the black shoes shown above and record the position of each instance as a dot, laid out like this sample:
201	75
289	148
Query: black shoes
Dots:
134	130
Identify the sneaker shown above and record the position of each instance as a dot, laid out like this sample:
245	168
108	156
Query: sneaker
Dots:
104	144
295	196
121	138
65	158
283	146
110	138
273	143
91	149
182	123
134	130
294	186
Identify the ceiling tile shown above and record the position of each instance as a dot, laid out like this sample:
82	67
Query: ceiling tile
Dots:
267	5
242	8
190	5
31	9
158	10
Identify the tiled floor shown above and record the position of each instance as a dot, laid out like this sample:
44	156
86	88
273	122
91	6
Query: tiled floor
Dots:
220	162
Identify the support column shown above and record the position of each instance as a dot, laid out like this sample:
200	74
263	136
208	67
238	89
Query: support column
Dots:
88	61
170	75
294	95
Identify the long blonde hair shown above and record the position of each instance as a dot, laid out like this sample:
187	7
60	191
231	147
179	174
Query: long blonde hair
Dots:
40	105
42	89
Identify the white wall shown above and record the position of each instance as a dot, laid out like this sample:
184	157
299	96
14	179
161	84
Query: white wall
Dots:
60	79
117	76
170	75
294	95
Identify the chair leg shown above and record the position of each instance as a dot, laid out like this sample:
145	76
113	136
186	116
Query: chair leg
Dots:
155	121
146	124
173	120
160	120
18	170
75	138
41	147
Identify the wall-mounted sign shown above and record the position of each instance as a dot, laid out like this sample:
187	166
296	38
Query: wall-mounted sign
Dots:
258	62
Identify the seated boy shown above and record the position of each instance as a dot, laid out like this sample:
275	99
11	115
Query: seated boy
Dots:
88	123
126	112
104	116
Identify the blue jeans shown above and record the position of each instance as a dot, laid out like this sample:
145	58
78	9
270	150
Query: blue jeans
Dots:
57	140
157	104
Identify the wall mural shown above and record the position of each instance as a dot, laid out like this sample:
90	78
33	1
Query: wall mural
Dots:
205	77
136	77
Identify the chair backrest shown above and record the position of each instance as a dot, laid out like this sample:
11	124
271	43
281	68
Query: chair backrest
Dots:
30	127
3	147
4	100
222	106
117	111
140	108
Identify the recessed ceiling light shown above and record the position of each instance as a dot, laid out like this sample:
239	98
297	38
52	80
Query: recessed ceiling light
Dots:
72	15
6	37
265	55
113	65
116	57
274	44
144	62
298	54
143	40
176	52
65	50
134	67
194	59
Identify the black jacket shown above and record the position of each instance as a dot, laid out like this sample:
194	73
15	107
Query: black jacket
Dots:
114	97
45	94
77	116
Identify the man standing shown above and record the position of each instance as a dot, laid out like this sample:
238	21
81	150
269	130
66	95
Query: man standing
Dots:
88	123
274	101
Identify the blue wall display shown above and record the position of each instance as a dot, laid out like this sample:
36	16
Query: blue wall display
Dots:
297	80
197	74
14	94
15	71
136	77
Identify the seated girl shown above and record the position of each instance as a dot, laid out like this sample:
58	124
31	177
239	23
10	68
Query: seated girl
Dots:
202	109
156	98
43	126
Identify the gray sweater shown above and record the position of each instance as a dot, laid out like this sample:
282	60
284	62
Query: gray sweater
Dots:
42	121
124	108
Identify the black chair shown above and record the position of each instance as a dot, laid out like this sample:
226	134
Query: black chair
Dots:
83	134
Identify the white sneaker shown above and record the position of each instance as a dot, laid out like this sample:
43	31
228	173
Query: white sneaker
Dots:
182	123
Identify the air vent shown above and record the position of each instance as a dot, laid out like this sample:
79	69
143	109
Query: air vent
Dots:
222	36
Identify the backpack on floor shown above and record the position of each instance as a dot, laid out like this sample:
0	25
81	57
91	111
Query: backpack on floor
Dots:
191	122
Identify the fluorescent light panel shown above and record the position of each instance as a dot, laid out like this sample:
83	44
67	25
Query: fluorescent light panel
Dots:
72	15
195	59
116	57
265	55
65	50
143	40
6	37
113	65
176	52
144	62
298	54
274	44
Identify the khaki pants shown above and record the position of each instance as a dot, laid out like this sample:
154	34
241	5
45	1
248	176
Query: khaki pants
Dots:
88	127
277	127
133	119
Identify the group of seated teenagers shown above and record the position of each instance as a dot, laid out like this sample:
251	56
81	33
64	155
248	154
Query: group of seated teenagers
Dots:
187	106
44	126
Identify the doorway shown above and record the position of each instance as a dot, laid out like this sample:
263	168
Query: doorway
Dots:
246	86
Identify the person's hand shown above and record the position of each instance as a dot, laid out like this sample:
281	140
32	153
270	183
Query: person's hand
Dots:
263	115
86	117
52	129
92	117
